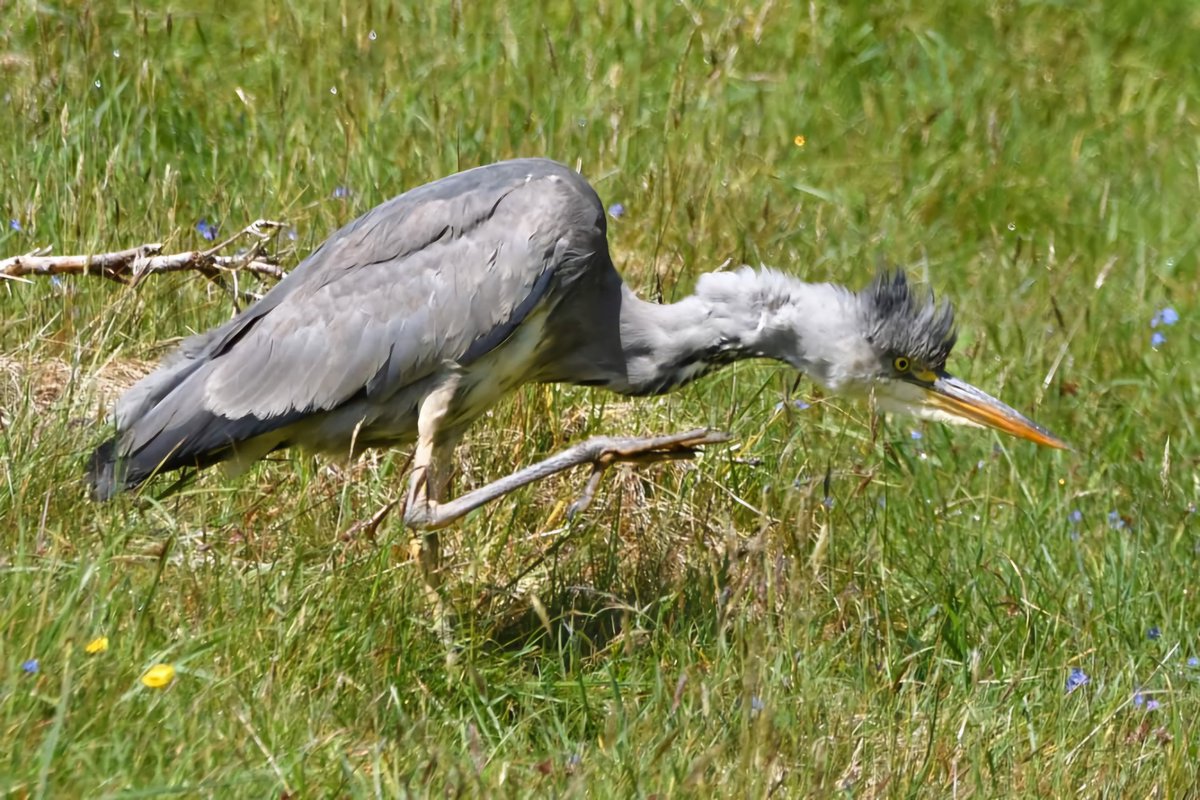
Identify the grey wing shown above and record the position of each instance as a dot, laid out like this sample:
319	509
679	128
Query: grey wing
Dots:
442	273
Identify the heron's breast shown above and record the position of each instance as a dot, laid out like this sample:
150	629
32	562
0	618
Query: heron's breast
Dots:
516	361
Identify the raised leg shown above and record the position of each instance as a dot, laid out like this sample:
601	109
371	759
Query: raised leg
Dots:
427	510
600	451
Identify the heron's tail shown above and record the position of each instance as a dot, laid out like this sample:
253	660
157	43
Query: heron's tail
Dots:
110	472
199	440
102	472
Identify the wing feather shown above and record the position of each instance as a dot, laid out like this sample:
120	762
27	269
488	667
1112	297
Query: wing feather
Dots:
444	273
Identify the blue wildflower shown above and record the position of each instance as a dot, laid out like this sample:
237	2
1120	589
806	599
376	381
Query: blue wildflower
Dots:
15	224
1075	516
616	210
1076	679
341	192
207	229
799	405
1153	705
1164	316
828	502
756	704
1138	699
917	435
1154	634
30	667
1157	340
1193	662
1115	521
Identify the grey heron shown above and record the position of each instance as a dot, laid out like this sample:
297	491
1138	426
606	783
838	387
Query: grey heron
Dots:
412	320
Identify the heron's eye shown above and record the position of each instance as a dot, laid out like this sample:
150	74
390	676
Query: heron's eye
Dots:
901	364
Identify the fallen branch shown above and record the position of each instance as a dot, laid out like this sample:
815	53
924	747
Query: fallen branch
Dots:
130	266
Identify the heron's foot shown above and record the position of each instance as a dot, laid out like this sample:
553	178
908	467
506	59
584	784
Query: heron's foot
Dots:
642	451
425	514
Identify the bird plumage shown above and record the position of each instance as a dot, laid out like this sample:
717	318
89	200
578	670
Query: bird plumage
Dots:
440	275
473	285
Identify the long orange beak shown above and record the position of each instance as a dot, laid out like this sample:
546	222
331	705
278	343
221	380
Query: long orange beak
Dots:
963	401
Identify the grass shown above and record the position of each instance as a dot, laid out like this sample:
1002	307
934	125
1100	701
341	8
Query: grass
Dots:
707	627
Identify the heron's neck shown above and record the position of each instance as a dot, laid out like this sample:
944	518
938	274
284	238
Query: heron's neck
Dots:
732	316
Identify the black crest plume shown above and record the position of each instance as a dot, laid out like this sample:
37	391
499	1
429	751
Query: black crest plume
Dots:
902	323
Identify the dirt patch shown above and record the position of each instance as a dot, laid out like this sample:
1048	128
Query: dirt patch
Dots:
45	382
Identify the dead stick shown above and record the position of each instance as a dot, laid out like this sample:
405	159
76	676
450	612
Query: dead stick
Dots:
136	262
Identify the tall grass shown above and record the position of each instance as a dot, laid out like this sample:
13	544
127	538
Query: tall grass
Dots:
709	627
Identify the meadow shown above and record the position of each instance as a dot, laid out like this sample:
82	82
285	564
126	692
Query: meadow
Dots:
837	605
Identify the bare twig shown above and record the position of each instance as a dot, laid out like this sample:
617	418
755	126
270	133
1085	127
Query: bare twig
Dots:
130	266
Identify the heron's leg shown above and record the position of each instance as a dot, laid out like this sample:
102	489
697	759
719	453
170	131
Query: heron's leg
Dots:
432	470
601	452
438	475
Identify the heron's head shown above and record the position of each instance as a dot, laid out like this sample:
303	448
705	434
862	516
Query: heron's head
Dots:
907	339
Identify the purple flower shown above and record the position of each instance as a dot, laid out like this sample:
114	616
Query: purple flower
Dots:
1138	699
1115	521
30	667
616	210
1154	633
1193	662
207	229
15	224
1164	316
1076	679
341	192
1075	516
828	502
916	435
1153	705
1157	340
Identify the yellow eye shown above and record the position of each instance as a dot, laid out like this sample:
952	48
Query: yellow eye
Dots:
901	364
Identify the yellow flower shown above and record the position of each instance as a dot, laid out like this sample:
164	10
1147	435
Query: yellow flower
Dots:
96	646
799	141
159	676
